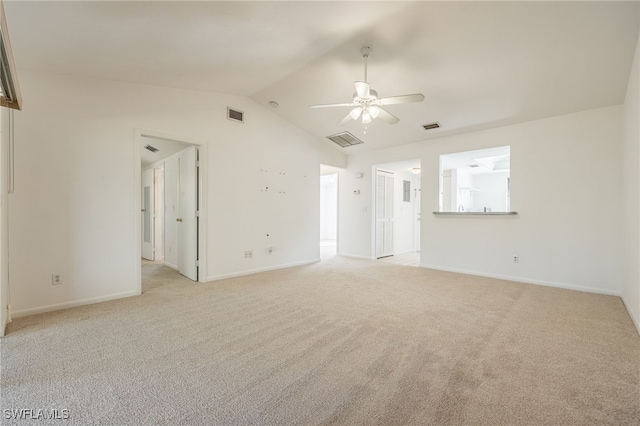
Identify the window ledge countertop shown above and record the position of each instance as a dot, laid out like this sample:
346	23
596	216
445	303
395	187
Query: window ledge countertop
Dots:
475	213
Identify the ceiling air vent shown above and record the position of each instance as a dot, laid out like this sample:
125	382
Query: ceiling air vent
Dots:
235	115
431	126
151	148
345	139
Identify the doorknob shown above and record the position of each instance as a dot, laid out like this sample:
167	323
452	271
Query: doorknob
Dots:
178	219
143	210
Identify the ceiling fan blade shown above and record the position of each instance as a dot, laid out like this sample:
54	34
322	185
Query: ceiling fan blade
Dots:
404	99
345	120
387	116
362	89
333	105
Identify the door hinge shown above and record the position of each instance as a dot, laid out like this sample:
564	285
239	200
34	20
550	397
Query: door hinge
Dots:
197	163
197	263
197	213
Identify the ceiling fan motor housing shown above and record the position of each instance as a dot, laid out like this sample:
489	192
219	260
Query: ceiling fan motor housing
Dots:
373	95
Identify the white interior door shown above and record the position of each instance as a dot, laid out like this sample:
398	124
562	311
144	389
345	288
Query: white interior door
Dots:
158	217
147	214
188	213
384	214
171	212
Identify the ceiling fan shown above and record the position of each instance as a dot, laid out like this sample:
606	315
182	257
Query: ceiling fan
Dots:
367	104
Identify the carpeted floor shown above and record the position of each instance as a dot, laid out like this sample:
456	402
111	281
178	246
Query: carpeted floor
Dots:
343	341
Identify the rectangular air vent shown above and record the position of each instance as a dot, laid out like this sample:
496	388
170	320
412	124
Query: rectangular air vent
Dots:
235	115
431	126
151	148
345	139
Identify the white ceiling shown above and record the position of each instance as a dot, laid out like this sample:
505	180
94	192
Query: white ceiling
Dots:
479	64
165	148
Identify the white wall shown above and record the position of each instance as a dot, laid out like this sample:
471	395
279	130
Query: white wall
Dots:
565	184
329	206
75	208
631	168
4	200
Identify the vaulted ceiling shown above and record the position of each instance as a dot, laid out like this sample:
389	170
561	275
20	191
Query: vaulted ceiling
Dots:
479	64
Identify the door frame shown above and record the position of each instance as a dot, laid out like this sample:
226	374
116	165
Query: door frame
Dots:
334	170
202	195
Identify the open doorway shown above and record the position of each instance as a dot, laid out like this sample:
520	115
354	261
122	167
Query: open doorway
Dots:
328	211
396	236
170	200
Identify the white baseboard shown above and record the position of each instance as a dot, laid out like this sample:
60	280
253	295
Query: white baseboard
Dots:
526	280
355	256
71	304
400	253
258	270
169	265
634	319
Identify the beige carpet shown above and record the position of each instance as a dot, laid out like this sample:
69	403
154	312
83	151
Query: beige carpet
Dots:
339	342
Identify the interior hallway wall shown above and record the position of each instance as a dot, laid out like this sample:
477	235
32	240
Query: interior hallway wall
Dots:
329	206
76	186
5	138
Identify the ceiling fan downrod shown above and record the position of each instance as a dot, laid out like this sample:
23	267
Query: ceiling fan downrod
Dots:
366	51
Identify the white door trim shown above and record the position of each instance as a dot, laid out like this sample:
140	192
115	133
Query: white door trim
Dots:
202	193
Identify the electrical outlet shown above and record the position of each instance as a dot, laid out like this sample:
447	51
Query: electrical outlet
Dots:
516	259
248	254
56	279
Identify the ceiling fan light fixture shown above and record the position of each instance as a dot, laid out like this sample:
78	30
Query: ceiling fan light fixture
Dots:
355	113
366	102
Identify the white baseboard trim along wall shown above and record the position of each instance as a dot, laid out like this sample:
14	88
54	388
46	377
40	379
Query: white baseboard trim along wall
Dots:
527	280
265	269
72	304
